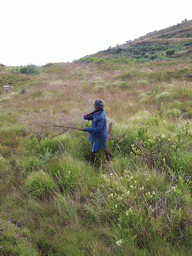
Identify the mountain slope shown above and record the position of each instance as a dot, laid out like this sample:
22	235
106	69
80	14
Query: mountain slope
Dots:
171	42
179	33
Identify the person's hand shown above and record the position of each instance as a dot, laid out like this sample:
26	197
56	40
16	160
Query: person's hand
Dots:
86	116
84	129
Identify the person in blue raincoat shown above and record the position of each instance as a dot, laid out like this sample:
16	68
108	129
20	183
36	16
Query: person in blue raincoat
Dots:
98	130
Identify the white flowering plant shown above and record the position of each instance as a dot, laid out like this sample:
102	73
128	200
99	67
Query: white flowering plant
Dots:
144	204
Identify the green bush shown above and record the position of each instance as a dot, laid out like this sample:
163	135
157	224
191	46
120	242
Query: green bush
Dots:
91	59
30	70
170	52
153	56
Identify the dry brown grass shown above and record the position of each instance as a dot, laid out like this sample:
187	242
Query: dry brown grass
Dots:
73	88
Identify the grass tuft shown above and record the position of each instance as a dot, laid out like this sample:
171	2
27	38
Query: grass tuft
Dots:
40	185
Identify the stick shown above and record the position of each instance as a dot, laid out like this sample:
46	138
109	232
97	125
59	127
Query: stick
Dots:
56	125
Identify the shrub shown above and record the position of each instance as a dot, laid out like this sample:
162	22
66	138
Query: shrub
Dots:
170	52
40	185
30	70
91	59
153	56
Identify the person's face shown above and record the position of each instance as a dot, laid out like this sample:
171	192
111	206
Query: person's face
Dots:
96	108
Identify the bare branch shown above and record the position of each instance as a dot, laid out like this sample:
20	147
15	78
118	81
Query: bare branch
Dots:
54	125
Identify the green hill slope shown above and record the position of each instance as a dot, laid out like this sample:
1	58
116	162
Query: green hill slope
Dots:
172	42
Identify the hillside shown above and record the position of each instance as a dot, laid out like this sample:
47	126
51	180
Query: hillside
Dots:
172	42
179	33
53	201
182	30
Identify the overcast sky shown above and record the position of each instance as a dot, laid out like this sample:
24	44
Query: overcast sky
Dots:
44	31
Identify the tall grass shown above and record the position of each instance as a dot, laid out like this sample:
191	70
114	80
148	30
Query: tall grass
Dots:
139	203
40	185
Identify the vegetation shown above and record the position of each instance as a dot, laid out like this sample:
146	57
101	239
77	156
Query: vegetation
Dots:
137	54
29	69
54	202
172	42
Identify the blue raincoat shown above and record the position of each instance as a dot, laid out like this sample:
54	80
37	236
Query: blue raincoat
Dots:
98	130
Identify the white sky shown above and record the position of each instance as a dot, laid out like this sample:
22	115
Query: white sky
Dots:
44	31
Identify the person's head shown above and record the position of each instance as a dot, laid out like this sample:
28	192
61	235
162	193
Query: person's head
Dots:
98	105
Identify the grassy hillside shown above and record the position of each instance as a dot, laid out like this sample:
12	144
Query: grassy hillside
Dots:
170	43
54	202
182	30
